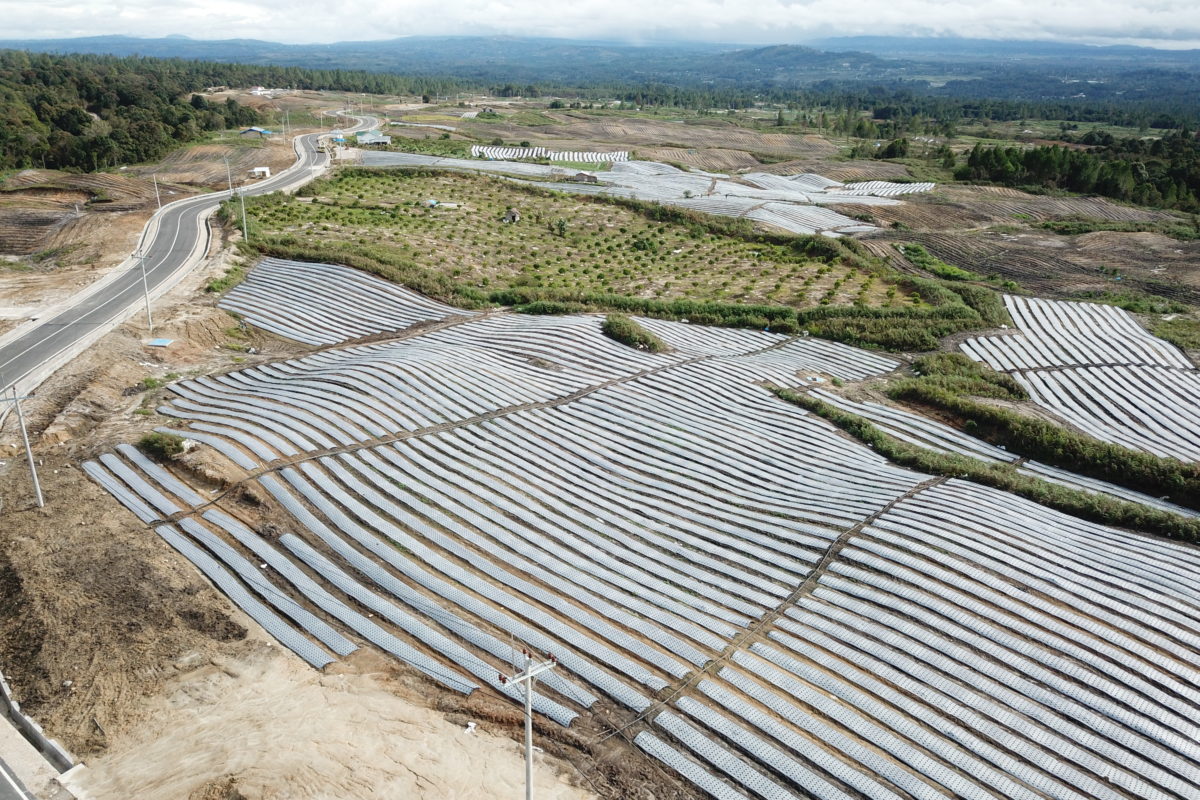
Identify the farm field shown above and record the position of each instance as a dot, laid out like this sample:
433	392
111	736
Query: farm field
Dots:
764	607
599	248
1096	367
989	230
785	203
694	134
1101	263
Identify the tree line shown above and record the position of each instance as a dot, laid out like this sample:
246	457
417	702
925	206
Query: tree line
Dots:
1163	172
88	112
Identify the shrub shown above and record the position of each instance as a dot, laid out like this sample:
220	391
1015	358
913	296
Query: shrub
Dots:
160	445
626	331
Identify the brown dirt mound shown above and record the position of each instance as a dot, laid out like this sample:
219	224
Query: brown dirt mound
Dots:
106	191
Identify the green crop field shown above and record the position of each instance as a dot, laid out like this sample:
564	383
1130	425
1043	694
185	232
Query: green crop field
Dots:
561	242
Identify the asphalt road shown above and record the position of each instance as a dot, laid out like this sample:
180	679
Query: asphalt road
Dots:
10	787
178	234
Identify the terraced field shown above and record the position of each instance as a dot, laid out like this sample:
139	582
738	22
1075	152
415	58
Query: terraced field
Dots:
1096	367
1066	265
756	602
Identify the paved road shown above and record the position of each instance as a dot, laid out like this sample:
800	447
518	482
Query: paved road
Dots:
10	787
180	232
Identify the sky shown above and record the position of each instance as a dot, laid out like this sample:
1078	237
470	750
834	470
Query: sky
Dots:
1160	23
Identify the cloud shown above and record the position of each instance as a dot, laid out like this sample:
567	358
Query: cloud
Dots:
749	21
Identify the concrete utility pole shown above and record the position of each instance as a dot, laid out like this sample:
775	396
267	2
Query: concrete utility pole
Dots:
16	401
157	196
245	229
141	259
229	177
526	677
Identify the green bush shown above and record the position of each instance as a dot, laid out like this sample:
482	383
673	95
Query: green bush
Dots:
624	330
918	256
160	445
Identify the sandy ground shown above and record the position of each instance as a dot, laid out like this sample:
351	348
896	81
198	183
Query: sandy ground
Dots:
275	728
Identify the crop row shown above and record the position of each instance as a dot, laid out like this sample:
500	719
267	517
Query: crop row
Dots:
637	514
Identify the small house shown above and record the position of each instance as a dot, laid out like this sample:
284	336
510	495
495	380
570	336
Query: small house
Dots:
373	137
512	215
256	129
260	172
583	177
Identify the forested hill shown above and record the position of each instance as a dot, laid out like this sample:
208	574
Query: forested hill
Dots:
87	112
1162	172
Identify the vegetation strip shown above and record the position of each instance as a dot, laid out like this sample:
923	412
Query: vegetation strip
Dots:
624	330
1095	507
947	383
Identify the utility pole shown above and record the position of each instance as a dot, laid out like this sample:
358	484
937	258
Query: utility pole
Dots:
245	229
141	259
37	486
527	677
229	177
157	196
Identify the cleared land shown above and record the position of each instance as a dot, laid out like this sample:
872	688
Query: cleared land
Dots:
599	247
760	604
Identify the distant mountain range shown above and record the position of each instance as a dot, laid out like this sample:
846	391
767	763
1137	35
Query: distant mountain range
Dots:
1015	70
957	49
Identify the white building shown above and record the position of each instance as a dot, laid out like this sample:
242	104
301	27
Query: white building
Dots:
374	137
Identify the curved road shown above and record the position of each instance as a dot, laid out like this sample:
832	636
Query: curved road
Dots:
178	231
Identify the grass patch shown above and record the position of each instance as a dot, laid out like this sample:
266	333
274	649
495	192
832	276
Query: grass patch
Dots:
1098	508
624	330
234	275
1182	332
429	145
1131	301
918	256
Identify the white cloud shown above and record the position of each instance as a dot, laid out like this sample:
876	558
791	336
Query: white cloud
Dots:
775	21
